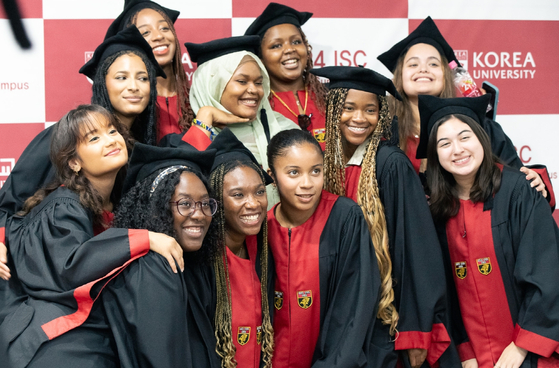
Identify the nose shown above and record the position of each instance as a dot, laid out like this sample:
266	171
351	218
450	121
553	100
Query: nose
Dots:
457	148
156	35
358	116
306	181
251	201
133	84
197	213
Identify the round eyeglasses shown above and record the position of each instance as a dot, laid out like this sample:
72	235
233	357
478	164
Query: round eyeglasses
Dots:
187	207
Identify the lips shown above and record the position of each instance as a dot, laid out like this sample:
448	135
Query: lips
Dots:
193	231
357	130
251	219
462	161
249	102
290	63
305	198
114	152
160	50
133	99
423	79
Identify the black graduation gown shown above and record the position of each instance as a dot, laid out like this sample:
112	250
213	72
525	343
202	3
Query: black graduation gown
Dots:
526	242
62	268
337	240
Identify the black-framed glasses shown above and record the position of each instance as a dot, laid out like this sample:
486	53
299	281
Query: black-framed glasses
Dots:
304	121
187	207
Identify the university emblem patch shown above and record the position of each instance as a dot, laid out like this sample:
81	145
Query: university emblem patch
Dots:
278	300
259	335
243	335
319	135
484	265
460	269
304	299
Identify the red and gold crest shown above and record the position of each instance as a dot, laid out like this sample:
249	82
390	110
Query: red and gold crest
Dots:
243	335
304	299
484	265
319	135
259	335
461	270
278	300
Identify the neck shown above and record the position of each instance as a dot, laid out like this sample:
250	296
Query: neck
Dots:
167	87
291	217
235	243
287	86
104	186
415	110
126	120
348	150
464	186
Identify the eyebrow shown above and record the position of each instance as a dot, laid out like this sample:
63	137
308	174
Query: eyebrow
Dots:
189	196
417	57
146	25
353	103
462	132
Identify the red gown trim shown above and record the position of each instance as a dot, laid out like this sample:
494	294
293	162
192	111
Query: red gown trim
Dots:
139	246
197	138
167	116
436	341
411	150
542	172
3	235
466	351
535	343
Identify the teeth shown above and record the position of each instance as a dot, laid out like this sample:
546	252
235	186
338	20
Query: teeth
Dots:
160	48
462	160
290	61
250	218
249	102
193	230
357	130
423	79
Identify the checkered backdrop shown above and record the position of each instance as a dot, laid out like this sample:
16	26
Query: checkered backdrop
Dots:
512	44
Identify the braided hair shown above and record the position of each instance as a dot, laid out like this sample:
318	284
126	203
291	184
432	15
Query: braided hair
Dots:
367	193
144	128
223	314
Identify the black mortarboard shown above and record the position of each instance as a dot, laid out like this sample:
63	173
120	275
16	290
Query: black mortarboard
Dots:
131	7
146	159
431	109
202	52
360	78
229	148
427	32
275	14
128	39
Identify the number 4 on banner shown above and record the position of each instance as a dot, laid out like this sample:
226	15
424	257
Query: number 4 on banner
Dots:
319	61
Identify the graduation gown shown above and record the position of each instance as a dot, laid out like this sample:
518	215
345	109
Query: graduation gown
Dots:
327	287
62	267
501	258
167	116
417	263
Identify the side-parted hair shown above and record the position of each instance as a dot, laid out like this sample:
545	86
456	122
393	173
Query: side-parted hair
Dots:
445	202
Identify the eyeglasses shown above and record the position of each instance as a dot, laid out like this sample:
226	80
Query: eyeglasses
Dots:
304	121
186	207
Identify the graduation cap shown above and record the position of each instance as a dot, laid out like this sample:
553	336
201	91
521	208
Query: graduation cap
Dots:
229	148
127	39
275	14
131	7
427	32
202	52
360	78
431	109
146	159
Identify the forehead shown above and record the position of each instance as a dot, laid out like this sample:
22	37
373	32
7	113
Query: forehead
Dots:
361	97
284	30
248	66
191	185
128	61
147	16
241	176
422	49
302	155
452	127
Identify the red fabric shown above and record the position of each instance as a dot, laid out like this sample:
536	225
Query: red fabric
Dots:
535	343
197	138
352	175
466	351
436	341
3	235
246	305
482	297
411	149
167	116
542	172
108	218
318	121
296	258
139	246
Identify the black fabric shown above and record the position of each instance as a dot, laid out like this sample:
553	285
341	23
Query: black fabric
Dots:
427	32
276	14
202	52
127	39
12	11
359	78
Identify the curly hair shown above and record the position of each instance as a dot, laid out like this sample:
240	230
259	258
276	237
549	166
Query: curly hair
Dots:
223	314
184	110
67	134
407	126
368	191
140	209
144	127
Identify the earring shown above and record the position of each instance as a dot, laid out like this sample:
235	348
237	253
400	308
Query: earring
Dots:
77	172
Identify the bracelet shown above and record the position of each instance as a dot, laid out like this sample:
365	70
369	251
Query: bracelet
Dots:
204	126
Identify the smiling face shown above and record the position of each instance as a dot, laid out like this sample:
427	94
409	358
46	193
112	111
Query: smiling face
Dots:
101	151
459	150
158	34
284	54
190	230
128	87
422	72
244	91
244	202
359	118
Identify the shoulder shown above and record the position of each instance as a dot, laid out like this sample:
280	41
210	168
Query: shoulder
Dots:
63	201
392	160
344	208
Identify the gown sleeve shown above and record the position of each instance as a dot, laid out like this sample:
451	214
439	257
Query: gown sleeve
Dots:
417	262
350	293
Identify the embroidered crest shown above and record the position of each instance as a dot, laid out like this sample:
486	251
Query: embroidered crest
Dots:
259	335
319	135
461	270
243	335
278	300
484	265
304	299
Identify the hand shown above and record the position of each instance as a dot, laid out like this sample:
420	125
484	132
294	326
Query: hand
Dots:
470	363
212	116
511	357
417	357
537	181
168	248
4	270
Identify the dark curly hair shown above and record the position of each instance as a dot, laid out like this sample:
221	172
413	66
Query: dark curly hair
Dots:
139	210
144	128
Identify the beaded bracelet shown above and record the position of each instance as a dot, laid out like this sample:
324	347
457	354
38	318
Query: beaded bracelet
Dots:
204	126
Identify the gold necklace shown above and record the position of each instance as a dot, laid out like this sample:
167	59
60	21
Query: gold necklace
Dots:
293	112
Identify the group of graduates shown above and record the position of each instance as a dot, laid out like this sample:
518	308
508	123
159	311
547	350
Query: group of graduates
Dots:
261	218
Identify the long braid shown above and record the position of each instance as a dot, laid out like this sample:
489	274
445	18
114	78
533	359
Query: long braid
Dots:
367	194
